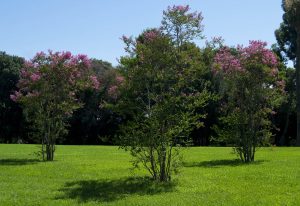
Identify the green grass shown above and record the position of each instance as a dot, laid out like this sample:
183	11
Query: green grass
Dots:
101	175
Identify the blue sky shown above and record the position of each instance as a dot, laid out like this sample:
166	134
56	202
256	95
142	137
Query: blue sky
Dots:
94	27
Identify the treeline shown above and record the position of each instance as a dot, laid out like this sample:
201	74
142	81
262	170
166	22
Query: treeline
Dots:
98	123
94	124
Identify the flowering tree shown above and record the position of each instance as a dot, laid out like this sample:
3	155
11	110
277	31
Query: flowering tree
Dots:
156	96
47	91
251	88
181	24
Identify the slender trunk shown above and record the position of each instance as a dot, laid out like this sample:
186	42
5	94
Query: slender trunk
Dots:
48	151
286	126
152	161
163	176
168	169
52	150
43	149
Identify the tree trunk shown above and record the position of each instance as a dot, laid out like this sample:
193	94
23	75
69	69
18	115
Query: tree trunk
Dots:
282	140
163	176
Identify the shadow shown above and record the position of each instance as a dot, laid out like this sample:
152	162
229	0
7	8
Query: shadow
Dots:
15	162
220	163
111	190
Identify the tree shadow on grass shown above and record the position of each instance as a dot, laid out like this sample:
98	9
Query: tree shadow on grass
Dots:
16	162
220	163
111	190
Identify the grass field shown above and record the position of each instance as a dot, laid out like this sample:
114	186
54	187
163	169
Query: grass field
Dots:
101	175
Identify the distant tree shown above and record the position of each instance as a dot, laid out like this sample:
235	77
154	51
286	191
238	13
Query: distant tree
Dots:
94	123
285	118
288	38
48	89
10	112
251	90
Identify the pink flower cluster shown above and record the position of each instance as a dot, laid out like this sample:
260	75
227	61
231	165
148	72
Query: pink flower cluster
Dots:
112	91
179	8
226	61
35	77
151	35
53	67
16	96
255	53
82	58
95	82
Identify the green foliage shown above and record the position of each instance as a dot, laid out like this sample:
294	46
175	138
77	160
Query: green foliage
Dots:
93	123
288	38
161	105
162	94
11	121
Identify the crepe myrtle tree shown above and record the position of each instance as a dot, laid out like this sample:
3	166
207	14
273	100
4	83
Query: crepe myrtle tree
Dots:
182	25
47	92
161	110
156	97
251	89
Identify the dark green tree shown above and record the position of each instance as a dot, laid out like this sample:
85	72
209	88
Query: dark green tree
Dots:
288	38
10	113
93	123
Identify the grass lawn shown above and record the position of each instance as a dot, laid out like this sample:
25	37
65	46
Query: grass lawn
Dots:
101	175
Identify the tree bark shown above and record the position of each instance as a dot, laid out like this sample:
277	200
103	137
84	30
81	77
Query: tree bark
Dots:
282	140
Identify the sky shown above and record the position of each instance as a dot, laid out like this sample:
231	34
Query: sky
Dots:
94	27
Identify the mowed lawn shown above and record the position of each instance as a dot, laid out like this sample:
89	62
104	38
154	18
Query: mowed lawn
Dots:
101	175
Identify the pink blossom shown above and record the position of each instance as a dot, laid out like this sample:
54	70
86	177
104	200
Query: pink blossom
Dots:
95	82
39	55
151	35
255	53
179	8
16	96
77	74
28	64
258	53
84	59
112	91
226	61
24	73
67	55
35	77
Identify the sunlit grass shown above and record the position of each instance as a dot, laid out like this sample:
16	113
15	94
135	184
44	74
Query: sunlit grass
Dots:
101	175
